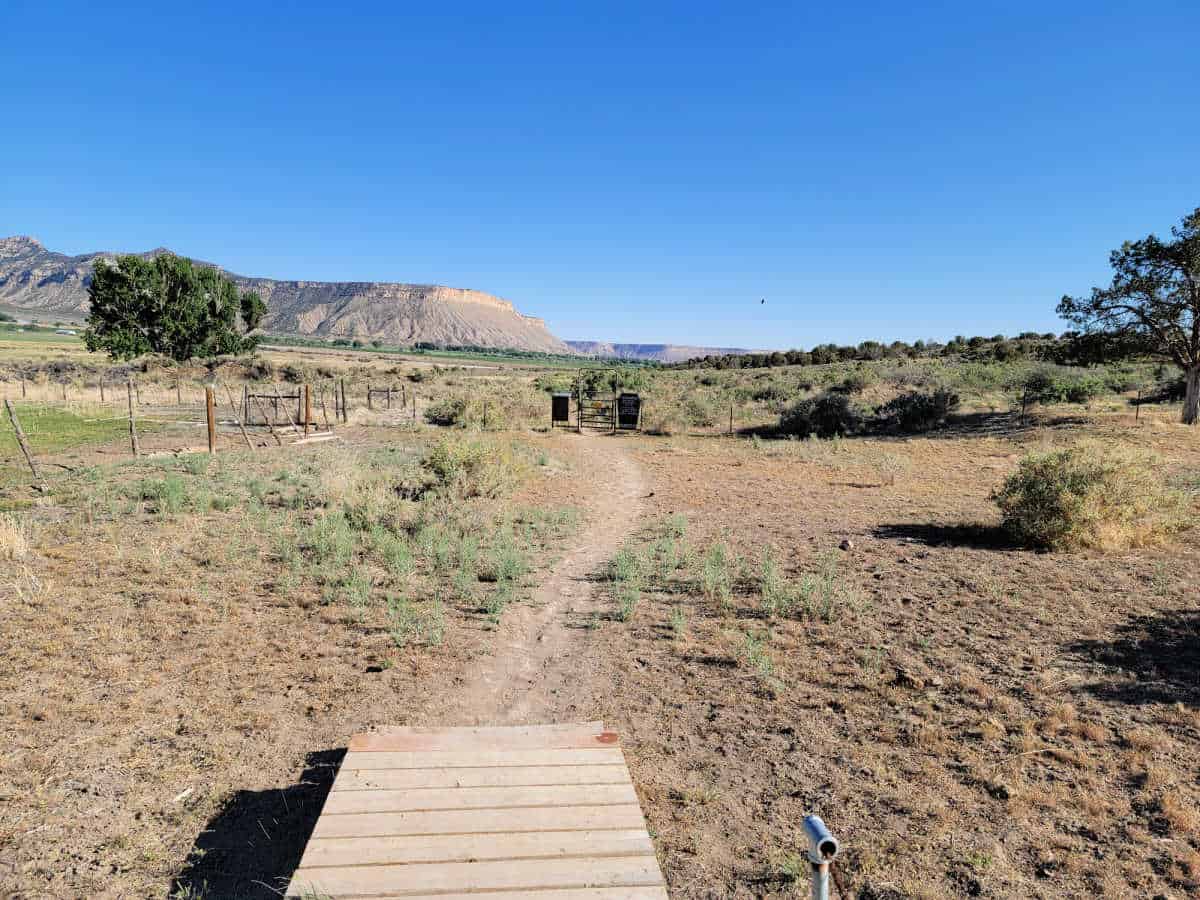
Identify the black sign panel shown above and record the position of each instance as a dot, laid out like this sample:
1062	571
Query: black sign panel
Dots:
629	408
560	407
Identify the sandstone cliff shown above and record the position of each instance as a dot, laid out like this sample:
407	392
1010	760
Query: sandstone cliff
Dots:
54	285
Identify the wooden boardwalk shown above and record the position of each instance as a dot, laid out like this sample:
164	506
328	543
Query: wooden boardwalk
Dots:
547	812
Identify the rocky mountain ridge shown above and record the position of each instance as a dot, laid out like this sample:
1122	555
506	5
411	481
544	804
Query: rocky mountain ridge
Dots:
40	281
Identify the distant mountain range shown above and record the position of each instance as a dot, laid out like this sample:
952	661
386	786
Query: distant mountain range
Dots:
47	284
667	353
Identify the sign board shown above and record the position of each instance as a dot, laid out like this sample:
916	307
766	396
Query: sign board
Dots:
629	412
560	409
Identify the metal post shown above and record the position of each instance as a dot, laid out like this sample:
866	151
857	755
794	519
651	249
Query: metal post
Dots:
1137	414
307	408
823	849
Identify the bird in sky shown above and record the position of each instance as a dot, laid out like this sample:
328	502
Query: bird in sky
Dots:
762	301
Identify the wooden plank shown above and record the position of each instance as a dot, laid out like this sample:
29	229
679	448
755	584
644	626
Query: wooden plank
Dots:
572	739
498	875
604	893
374	851
476	759
351	802
492	730
508	776
480	821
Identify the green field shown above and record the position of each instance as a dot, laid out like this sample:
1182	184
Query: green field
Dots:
52	429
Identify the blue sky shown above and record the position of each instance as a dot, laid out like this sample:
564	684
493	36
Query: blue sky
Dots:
629	171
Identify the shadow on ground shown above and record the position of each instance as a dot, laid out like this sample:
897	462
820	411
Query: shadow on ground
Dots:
977	537
249	850
1156	659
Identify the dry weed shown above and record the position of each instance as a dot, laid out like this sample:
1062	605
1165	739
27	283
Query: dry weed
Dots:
14	541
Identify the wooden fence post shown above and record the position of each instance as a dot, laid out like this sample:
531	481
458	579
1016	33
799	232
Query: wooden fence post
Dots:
345	410
1138	410
369	403
101	388
307	407
133	438
731	418
268	419
24	445
178	394
137	389
279	401
240	424
22	387
210	412
325	412
414	404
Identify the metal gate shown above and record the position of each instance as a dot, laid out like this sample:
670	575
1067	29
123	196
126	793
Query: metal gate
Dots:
597	410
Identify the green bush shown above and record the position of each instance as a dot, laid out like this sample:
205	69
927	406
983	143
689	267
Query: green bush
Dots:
916	411
1050	386
825	415
447	411
1089	496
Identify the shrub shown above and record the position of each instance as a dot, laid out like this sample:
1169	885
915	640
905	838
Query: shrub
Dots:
700	411
1089	496
854	383
472	468
1048	386
825	415
447	411
916	411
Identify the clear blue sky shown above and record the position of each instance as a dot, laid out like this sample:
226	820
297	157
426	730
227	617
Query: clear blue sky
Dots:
629	171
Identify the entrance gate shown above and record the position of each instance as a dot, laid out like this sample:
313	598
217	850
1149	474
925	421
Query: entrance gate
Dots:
597	410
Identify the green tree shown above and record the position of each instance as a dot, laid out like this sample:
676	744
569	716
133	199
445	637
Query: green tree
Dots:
168	305
1154	296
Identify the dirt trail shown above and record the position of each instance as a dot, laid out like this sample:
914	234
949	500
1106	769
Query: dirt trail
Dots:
537	674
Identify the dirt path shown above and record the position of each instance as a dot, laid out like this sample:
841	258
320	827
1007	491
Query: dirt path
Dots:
537	673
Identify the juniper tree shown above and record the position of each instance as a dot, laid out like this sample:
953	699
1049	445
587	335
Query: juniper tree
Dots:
1153	300
167	304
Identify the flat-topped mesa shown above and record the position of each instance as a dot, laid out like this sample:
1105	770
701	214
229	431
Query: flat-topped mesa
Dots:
398	313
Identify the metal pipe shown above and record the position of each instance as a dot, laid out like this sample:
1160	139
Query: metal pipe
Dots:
823	849
820	881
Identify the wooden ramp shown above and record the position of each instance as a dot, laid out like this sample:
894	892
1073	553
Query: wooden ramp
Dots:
546	812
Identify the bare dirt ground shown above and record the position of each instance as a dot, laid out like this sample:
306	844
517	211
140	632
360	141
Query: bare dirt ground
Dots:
174	711
972	718
533	675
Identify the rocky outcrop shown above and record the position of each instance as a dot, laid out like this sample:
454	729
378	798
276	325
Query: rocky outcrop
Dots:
54	285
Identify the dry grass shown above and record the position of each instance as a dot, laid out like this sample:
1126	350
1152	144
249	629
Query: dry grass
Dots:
975	693
14	541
